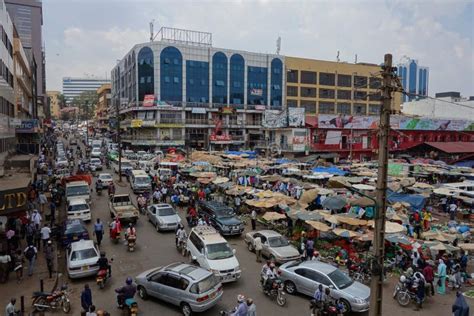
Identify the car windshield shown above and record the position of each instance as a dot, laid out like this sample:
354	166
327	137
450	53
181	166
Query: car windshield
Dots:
166	211
77	190
225	212
340	279
105	177
74	229
126	165
142	180
219	251
279	241
96	161
83	254
205	285
78	207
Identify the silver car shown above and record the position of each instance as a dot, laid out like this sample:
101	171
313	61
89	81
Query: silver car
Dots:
274	246
305	277
163	217
190	287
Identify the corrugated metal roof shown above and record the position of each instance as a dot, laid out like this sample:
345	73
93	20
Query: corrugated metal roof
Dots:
453	147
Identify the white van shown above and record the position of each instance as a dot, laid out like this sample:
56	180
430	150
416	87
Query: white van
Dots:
211	251
78	208
140	181
78	189
126	165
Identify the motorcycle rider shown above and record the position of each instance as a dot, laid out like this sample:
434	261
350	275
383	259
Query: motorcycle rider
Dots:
125	292
181	235
103	263
269	277
419	285
99	186
242	308
115	228
141	201
131	232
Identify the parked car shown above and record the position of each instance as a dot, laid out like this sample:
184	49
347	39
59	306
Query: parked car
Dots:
305	277
192	288
82	257
73	230
163	217
106	179
274	246
222	217
96	162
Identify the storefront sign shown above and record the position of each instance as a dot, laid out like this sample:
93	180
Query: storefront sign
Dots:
296	117
12	200
220	138
260	107
227	110
28	126
299	139
15	123
198	110
136	123
149	100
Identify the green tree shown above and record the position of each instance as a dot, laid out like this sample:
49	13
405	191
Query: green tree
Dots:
86	102
61	101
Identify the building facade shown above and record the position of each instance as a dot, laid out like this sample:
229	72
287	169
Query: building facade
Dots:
446	105
173	93
73	87
54	106
102	107
414	79
7	92
23	81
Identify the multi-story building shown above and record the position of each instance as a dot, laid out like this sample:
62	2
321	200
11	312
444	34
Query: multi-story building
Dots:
7	93
102	107
177	91
54	104
73	87
23	81
27	16
414	79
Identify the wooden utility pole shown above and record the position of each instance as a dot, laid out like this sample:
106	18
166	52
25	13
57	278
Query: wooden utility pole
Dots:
119	140
379	236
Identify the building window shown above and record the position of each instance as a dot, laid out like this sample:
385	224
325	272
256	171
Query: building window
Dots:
360	95
327	79
219	75
375	83
326	93
344	94
292	91
276	81
237	68
292	103
326	107
310	106
375	96
374	109
308	77
292	76
308	92
360	109
344	108
146	73
171	90
257	85
344	80
198	71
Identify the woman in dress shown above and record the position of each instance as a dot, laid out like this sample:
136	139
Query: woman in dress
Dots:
442	277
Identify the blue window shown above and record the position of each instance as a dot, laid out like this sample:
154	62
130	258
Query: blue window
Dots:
171	62
237	68
219	74
257	85
412	80
145	73
197	71
276	81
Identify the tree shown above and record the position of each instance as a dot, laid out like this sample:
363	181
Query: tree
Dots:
86	103
61	101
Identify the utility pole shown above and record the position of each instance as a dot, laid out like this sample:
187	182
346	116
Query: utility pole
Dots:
87	122
388	75
119	139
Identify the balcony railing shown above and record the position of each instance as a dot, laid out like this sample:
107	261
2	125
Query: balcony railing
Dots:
165	120
197	121
254	123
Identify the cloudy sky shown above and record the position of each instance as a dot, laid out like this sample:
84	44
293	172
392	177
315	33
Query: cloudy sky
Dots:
86	37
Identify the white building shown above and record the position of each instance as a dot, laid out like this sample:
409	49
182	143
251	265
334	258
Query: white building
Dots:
446	105
73	87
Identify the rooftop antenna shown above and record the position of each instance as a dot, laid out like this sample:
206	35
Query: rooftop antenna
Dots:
355	61
278	45
151	30
337	57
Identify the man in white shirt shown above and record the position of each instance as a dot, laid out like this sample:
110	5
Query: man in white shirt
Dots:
452	211
258	248
45	234
42	200
36	218
10	309
253	219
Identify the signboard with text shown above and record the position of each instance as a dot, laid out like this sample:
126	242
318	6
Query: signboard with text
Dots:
28	126
149	100
13	200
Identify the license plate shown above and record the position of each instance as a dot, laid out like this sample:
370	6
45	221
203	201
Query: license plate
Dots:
228	277
213	295
85	268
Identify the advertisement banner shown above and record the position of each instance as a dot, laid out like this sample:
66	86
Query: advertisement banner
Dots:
296	117
258	92
28	126
299	139
149	100
227	110
427	124
347	121
136	123
275	119
13	200
220	138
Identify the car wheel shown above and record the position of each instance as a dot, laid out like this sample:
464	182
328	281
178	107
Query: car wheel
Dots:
142	293
250	247
290	287
347	306
186	309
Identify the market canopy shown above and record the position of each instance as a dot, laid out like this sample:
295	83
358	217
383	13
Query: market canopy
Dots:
220	180
304	215
363	187
334	202
351	220
273	216
331	170
422	185
309	196
345	233
416	201
319	226
437	235
362	201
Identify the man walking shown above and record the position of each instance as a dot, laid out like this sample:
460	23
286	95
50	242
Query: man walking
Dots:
428	273
86	298
45	234
258	248
42	201
99	231
30	255
253	219
49	255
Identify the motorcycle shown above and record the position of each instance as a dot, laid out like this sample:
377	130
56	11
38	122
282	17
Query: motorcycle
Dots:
98	190
114	236
55	300
129	304
131	241
276	291
102	277
142	208
330	308
181	246
405	292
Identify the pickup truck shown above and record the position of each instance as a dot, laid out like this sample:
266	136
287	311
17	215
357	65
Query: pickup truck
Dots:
121	206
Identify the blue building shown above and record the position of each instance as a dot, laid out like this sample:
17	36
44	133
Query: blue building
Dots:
414	78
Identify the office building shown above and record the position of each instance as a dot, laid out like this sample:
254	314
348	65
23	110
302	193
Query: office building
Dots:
73	87
102	107
27	16
414	79
23	81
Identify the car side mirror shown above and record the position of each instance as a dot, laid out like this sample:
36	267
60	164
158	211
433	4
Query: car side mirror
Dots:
194	258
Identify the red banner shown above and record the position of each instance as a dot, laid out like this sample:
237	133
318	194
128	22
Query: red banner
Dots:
214	137
149	100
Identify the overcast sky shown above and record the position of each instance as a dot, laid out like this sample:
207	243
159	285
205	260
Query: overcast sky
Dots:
86	37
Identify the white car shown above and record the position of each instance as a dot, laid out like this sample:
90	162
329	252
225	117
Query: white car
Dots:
97	163
61	162
78	208
106	179
82	257
96	153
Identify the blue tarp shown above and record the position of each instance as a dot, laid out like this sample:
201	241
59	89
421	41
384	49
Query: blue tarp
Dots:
332	170
283	160
416	201
251	154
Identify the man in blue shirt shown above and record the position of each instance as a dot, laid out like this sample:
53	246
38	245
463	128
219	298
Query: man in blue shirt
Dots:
242	308
98	231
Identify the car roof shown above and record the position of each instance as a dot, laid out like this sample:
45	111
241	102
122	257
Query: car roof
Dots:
214	205
82	244
77	201
105	174
268	233
189	270
76	183
71	222
162	205
208	234
318	266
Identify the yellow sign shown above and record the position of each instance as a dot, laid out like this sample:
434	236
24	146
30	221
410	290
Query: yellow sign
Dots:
13	200
136	123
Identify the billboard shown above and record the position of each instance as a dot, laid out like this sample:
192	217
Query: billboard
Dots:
149	100
347	121
296	117
275	119
427	124
299	139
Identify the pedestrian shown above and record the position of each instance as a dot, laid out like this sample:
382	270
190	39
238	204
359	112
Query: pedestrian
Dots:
452	210
5	260
42	201
36	218
237	202
86	298
258	248
10	309
99	231
253	219
309	248
251	308
45	234
427	218
52	210
30	255
91	311
30	232
428	273
463	262
18	261
49	256
441	277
